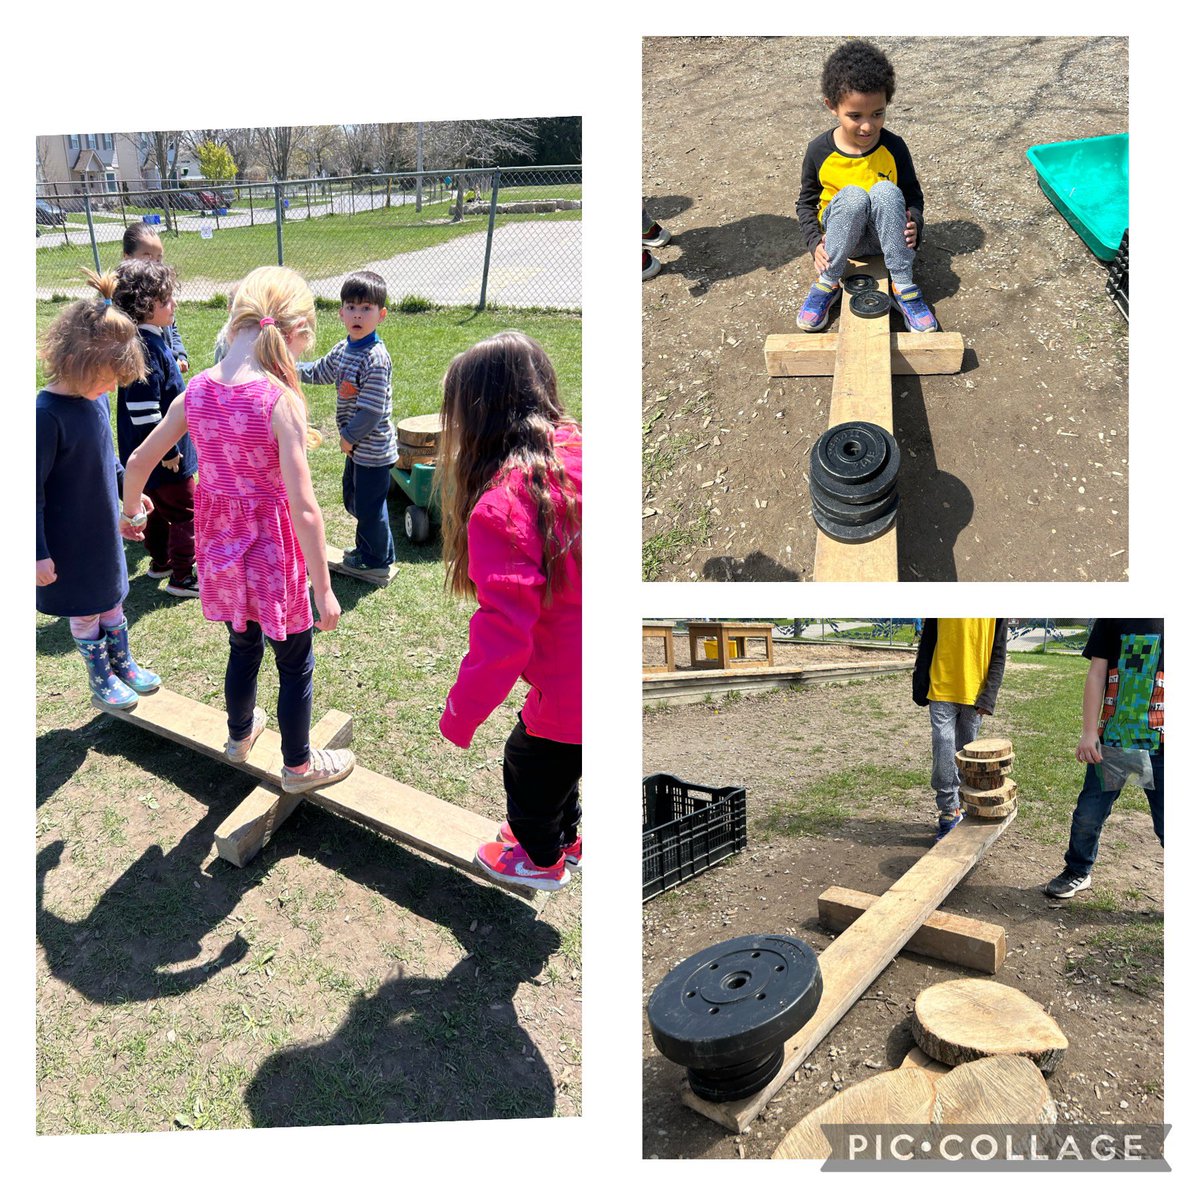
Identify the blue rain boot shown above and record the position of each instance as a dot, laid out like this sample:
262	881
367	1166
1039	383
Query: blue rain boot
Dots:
107	690
123	666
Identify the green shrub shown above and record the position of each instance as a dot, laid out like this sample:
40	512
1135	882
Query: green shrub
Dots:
415	304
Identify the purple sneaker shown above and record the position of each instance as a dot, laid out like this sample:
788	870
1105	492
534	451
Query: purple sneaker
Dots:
916	313
947	822
814	315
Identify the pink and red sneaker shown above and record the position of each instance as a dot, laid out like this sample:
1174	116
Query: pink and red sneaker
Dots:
572	853
508	862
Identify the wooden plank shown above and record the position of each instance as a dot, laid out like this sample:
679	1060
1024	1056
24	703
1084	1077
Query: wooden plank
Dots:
248	829
862	391
979	945
855	959
335	556
802	355
441	830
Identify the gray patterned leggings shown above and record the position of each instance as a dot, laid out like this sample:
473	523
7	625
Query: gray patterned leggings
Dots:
858	223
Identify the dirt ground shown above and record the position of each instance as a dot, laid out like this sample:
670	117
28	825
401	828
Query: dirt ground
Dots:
1014	469
1091	962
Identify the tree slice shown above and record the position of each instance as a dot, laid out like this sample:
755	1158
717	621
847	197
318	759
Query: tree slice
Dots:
1003	1090
894	1097
419	431
991	812
965	1019
917	1060
999	794
408	456
991	764
985	749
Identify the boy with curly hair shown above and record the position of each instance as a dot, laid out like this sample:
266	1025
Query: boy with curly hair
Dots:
859	192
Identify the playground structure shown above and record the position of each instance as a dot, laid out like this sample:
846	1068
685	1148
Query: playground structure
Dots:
862	357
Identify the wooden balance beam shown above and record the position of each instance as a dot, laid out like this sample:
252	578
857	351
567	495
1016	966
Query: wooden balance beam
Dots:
862	357
441	830
337	564
855	959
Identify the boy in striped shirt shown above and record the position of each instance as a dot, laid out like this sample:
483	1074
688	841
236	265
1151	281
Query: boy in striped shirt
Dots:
362	369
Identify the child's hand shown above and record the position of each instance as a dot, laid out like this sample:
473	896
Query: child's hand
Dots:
329	609
45	571
1088	750
172	464
910	231
820	258
347	448
183	364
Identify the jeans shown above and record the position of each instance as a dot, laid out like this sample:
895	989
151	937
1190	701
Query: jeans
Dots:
859	223
294	658
541	779
364	493
1092	809
953	725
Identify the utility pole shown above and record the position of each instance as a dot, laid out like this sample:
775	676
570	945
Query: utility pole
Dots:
420	161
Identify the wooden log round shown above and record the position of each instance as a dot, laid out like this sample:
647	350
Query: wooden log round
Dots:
917	1060
985	749
989	765
891	1098
1005	1089
408	457
965	1019
999	794
990	812
419	431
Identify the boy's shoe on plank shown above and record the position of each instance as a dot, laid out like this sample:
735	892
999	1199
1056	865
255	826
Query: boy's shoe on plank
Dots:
650	265
946	822
656	235
1064	886
188	587
572	853
324	767
238	751
508	862
354	561
814	313
911	305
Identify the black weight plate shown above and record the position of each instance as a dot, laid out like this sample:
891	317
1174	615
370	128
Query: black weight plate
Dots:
860	283
735	1002
855	476
842	513
735	1083
869	304
856	533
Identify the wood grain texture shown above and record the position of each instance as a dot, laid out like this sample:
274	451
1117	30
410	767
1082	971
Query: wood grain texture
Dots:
419	431
856	957
978	945
1003	1090
251	825
986	749
414	818
804	355
1003	792
965	1019
991	812
917	1060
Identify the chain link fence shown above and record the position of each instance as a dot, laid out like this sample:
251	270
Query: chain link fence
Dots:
507	236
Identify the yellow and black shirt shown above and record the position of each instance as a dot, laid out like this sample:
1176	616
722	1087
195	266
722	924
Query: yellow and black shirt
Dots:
827	170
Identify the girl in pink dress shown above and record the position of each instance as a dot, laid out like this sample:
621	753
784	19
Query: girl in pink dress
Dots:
258	528
510	462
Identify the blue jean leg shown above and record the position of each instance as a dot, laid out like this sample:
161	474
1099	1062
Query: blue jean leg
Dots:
365	493
952	727
294	658
1092	810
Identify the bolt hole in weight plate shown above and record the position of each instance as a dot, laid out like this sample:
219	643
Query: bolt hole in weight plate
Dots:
726	1012
856	462
869	304
860	283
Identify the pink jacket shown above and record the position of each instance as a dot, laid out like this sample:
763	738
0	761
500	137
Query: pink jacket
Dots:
515	634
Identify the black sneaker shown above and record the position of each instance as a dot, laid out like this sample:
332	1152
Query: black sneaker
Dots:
1064	886
188	587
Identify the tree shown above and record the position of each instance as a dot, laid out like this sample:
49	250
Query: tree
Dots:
216	163
277	144
164	146
463	144
360	148
559	141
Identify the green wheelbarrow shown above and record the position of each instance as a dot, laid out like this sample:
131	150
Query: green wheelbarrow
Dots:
422	511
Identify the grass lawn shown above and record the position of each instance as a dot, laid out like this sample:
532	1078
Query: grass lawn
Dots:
339	978
322	246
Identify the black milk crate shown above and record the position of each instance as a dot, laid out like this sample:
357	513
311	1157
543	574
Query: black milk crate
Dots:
687	828
1118	289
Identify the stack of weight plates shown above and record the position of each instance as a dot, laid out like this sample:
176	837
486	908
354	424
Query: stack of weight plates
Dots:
852	481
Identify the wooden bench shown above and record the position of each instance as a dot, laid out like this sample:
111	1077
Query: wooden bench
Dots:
739	632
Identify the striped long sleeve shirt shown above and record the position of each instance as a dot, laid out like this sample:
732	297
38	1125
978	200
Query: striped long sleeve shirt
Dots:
362	371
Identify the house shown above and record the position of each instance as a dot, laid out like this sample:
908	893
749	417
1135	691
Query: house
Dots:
108	162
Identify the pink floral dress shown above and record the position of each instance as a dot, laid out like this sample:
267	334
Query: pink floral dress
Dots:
248	560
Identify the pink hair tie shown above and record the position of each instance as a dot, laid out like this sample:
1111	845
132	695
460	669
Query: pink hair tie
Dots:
265	322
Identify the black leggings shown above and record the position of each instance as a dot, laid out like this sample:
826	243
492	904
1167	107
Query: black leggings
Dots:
294	658
541	779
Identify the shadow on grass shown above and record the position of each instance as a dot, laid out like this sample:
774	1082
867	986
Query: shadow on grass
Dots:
418	1048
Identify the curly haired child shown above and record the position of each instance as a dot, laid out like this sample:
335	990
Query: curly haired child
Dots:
90	349
510	471
859	192
141	242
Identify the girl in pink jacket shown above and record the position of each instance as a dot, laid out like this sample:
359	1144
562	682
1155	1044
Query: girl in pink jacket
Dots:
510	469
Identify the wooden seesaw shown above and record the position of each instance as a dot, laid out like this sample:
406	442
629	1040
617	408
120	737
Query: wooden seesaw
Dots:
862	357
442	830
856	957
